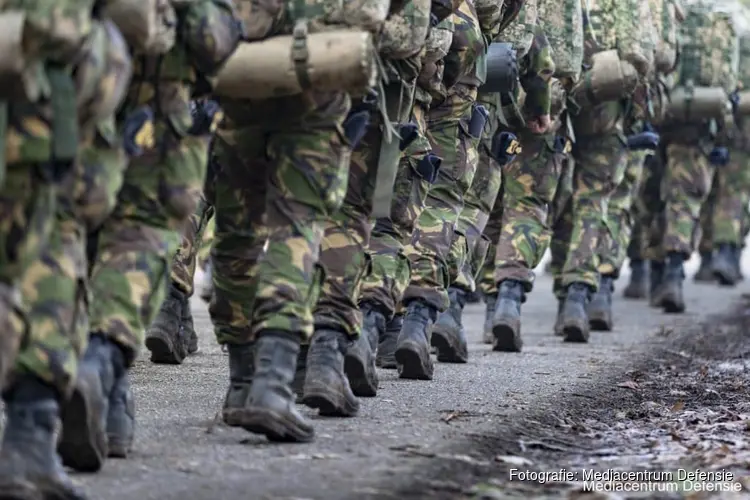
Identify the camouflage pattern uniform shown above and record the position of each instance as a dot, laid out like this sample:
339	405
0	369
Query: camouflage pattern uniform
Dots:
344	256
52	167
135	244
448	132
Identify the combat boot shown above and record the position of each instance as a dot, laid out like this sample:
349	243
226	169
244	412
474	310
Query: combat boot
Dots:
30	469
120	419
270	408
575	321
656	282
359	363
241	368
600	308
705	272
474	297
188	327
207	283
672	299
448	335
558	328
738	262
165	337
413	345
83	445
489	314
506	324
723	265
300	371
326	385
638	286
386	356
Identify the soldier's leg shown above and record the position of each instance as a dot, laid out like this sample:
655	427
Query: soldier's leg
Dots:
469	247
705	232
427	294
614	238
600	164
530	185
207	287
338	320
560	221
174	314
651	201
384	286
728	211
637	287
687	183
307	169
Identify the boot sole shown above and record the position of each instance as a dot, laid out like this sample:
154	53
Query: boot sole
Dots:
576	333
328	402
387	363
411	364
161	353
275	426
672	306
83	444
355	368
600	322
117	449
507	337
446	351
20	490
724	277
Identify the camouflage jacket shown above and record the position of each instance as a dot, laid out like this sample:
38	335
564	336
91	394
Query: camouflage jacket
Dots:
467	48
536	69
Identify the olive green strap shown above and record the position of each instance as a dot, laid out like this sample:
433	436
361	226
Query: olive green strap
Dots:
64	115
385	179
300	54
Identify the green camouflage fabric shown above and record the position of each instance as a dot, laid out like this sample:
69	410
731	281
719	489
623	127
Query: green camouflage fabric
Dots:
384	286
347	232
618	224
204	249
648	205
137	243
562	22
744	64
464	60
468	250
529	187
520	33
536	70
282	167
686	185
710	47
186	259
600	161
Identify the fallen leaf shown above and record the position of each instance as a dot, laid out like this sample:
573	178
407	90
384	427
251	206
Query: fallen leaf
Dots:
513	460
678	406
629	384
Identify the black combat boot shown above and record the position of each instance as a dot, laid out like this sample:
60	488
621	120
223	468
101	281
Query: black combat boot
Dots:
359	363
413	345
705	272
448	335
188	327
300	371
241	368
506	324
270	408
723	265
671	297
165	338
558	328
83	445
120	419
489	314
600	308
575	321
474	297
638	286
386	356
29	466
207	285
656	282
326	385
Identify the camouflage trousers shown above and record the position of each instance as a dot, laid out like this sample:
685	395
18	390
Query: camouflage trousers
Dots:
600	162
519	221
685	186
207	239
647	206
470	246
384	286
136	244
428	252
186	258
722	216
615	235
281	172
